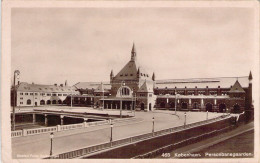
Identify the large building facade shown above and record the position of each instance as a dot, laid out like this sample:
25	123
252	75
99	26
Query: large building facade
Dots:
37	94
133	88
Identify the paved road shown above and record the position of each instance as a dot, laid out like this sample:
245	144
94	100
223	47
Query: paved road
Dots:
39	145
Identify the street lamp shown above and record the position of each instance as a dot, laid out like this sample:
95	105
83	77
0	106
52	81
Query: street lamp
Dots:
51	137
103	91
16	75
111	126
176	103
121	102
153	125
185	119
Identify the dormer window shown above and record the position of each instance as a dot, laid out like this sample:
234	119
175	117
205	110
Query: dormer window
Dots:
131	74
126	74
121	75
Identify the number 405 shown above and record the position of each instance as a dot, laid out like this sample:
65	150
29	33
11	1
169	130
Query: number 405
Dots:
166	155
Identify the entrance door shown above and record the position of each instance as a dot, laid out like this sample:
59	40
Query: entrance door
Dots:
236	108
142	106
150	106
222	108
184	105
209	107
35	103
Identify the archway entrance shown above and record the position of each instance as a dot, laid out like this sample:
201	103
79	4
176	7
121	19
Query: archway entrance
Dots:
209	107
222	108
195	105
142	106
184	105
236	108
162	105
49	102
42	102
172	105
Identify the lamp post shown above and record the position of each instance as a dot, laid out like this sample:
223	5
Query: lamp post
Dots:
153	125
121	91
103	91
51	137
185	119
16	75
134	103
176	103
71	100
207	114
111	126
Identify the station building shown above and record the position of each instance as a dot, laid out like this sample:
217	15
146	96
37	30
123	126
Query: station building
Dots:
37	94
133	88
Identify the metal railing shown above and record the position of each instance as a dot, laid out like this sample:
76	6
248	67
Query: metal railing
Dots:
17	133
99	147
58	128
39	131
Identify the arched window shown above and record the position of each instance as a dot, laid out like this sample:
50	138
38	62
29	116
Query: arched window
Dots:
29	102
125	91
42	102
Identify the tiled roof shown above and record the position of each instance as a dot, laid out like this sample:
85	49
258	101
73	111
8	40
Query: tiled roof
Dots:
145	88
237	88
129	71
223	82
25	87
92	85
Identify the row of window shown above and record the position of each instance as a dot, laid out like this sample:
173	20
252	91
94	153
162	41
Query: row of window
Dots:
47	89
43	94
132	75
200	93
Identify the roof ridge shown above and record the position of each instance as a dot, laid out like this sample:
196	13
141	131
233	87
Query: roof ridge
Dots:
201	78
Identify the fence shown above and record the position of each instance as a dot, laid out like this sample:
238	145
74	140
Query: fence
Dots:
35	131
17	133
99	147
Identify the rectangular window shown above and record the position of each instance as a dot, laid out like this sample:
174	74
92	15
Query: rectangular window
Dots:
26	93
21	98
36	94
21	93
59	94
31	93
21	102
54	94
64	94
48	94
150	95
43	94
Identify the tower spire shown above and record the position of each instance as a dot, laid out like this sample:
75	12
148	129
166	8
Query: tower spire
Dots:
153	77
133	53
250	77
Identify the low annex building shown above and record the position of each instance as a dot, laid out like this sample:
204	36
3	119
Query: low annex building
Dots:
134	88
36	94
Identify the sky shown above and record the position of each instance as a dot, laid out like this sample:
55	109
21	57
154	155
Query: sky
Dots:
51	45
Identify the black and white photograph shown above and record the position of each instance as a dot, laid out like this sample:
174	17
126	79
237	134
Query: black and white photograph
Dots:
161	81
